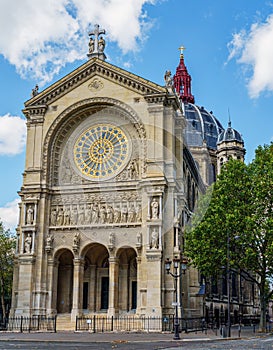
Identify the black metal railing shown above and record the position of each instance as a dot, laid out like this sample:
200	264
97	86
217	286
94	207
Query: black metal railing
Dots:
28	324
98	324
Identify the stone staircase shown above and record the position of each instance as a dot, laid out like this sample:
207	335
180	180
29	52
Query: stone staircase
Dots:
64	323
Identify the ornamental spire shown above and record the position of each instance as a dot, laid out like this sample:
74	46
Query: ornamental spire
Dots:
182	79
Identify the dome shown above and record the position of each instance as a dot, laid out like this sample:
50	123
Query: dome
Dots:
229	134
202	126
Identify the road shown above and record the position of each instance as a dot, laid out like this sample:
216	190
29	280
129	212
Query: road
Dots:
250	344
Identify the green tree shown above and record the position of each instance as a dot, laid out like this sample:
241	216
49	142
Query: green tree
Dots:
7	244
233	224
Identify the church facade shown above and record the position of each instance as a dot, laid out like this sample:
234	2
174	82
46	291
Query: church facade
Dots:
109	183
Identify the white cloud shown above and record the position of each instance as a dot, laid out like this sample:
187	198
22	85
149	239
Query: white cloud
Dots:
9	214
42	36
12	135
254	50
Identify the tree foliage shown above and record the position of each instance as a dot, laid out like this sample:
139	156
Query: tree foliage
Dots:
235	218
7	244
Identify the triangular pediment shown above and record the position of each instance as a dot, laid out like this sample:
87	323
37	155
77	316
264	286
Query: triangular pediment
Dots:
88	70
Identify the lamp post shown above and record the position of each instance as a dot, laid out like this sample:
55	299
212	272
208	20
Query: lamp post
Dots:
182	263
228	284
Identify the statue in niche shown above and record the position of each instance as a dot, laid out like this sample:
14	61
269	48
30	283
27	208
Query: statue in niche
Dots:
60	217
28	244
53	217
131	213
102	214
139	213
74	215
154	239
67	214
95	213
117	214
132	171
109	214
81	215
30	215
154	208
124	213
88	215
139	239
49	242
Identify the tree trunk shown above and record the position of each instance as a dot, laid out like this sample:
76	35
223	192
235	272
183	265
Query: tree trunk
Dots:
263	302
2	297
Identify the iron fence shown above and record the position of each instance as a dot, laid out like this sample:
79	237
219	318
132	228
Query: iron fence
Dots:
98	324
28	324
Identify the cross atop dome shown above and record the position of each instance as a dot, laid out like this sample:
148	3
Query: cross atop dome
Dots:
96	43
182	49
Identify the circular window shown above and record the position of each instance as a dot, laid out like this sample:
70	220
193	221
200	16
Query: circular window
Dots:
101	151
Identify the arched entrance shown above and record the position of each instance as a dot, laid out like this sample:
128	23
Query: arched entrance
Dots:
127	294
96	279
65	282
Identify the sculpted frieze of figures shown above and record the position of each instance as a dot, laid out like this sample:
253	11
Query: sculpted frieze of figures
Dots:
96	213
67	175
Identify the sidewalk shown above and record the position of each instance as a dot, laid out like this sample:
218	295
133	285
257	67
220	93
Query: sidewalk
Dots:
70	336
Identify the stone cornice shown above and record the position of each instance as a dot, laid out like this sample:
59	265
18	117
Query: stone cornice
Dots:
36	113
86	71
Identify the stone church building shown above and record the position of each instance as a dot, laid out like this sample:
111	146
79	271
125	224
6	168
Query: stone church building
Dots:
114	166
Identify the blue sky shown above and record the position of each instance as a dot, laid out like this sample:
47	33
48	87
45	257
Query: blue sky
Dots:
229	54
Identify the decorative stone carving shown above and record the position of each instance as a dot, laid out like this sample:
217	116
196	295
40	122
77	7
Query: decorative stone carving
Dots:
102	214
154	239
155	209
68	117
53	217
60	217
139	240
117	214
168	79
96	213
109	214
124	213
30	215
35	91
49	243
111	241
95	85
88	215
76	242
67	216
28	243
81	218
131	213
74	215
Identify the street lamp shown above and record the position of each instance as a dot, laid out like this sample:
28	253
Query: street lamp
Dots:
182	263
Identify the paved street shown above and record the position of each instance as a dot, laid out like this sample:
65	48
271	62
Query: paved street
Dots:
131	341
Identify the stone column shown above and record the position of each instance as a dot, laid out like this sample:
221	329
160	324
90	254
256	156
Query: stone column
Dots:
92	288
139	301
113	285
154	283
77	287
51	287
